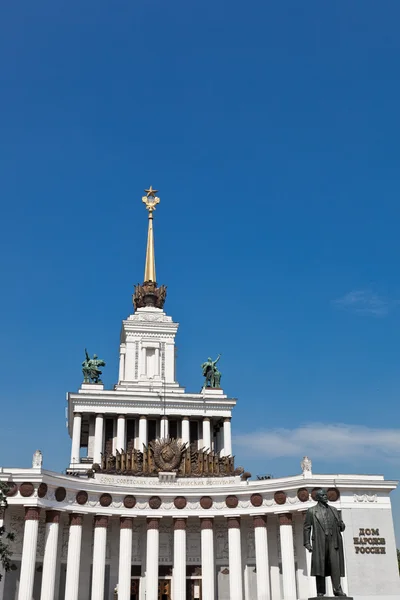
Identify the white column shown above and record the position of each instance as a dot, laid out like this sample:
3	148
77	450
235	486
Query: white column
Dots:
287	553
235	559
262	566
74	556
185	430
125	558
32	515
99	557
152	558
121	374
207	558
121	436
142	432
179	572
76	438
164	427
227	437
98	439
50	555
206	433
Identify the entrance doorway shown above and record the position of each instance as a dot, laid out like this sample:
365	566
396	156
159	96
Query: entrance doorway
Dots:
164	589
193	589
135	589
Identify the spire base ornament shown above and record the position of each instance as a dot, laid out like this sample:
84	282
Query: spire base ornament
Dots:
148	294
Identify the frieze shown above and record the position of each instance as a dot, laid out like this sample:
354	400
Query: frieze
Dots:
122	480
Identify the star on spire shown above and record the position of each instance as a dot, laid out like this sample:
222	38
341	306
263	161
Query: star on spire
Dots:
150	193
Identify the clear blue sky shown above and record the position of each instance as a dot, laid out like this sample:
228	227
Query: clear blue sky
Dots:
272	131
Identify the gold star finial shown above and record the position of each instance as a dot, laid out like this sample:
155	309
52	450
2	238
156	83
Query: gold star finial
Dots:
150	200
150	192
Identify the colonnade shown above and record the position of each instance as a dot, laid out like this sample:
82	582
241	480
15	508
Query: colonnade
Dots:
224	436
101	522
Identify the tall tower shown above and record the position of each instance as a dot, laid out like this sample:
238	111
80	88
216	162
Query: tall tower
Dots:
146	403
147	355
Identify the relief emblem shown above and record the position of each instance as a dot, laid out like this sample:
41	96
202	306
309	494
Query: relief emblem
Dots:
167	453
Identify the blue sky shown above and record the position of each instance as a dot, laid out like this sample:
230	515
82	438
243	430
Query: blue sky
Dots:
272	132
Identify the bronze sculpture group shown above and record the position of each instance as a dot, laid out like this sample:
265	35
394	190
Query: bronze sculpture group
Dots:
90	368
211	374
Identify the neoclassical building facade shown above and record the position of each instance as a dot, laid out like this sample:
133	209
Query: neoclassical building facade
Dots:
152	506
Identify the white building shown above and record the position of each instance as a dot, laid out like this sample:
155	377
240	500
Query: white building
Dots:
167	520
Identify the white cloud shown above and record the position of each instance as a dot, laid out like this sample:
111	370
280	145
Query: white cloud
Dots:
364	302
328	441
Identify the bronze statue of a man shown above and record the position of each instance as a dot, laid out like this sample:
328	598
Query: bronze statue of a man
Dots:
327	545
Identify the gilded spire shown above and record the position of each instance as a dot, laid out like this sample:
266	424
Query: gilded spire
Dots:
151	201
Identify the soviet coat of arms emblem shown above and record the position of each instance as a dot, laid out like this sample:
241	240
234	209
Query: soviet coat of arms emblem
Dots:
167	453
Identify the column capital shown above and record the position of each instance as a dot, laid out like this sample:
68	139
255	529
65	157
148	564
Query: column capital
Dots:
99	415
126	522
185	418
121	417
32	513
206	419
227	419
77	414
285	518
76	519
233	522
179	523
53	516
143	417
100	521
153	523
260	520
206	523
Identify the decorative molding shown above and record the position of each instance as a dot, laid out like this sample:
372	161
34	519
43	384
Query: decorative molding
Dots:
129	501
180	524
53	516
42	490
333	494
280	497
155	502
233	522
153	523
126	522
60	494
303	494
100	521
82	497
206	502
180	502
105	500
32	513
75	519
285	519
231	501
26	489
256	499
206	523
365	498
314	492
260	521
